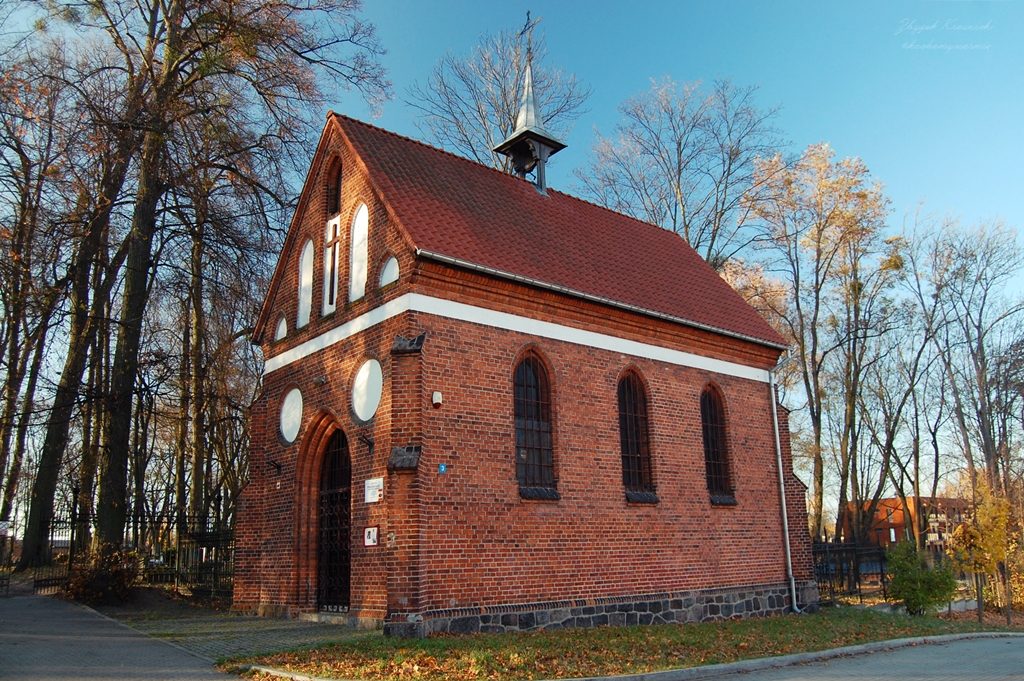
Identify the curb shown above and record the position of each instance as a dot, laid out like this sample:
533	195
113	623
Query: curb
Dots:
711	671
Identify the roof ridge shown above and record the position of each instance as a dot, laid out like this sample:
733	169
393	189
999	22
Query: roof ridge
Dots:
429	146
508	175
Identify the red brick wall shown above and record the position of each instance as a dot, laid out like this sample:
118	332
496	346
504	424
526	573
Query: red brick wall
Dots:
483	544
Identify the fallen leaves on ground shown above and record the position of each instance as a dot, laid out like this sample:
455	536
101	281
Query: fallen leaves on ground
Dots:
601	651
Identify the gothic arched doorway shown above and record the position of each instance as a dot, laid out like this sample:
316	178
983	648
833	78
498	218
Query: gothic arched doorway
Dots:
335	523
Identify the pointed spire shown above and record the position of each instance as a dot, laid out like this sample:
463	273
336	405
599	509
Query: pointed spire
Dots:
529	113
530	144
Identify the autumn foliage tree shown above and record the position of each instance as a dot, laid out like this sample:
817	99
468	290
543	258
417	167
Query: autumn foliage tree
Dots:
819	220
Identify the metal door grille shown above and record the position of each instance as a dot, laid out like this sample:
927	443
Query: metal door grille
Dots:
636	453
334	565
534	465
712	416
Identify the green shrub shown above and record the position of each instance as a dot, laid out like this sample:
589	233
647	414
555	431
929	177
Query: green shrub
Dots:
911	581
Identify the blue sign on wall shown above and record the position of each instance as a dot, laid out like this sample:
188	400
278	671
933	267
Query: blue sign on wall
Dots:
442	468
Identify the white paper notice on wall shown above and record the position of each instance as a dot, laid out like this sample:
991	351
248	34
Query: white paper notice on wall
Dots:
374	490
370	536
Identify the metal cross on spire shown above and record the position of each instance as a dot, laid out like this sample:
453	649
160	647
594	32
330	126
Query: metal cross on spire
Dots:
528	33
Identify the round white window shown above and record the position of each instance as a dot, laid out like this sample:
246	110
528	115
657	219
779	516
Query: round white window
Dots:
366	389
291	414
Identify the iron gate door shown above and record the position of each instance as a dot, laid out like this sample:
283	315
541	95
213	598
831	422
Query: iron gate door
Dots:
334	552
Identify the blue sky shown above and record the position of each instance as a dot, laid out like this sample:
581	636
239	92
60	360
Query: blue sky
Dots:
944	125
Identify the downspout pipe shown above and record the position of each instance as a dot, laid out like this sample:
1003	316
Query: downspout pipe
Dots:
782	485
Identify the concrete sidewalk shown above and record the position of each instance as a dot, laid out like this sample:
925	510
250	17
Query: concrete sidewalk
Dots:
45	638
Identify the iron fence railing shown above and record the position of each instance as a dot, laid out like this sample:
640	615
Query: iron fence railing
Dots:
192	553
200	559
845	570
60	557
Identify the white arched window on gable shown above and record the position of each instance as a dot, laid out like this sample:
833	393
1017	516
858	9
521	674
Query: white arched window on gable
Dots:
389	273
332	250
305	285
359	253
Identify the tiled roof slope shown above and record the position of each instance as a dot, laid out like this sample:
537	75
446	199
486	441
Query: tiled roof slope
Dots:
460	209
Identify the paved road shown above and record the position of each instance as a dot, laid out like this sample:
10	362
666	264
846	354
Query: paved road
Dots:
44	638
986	659
236	636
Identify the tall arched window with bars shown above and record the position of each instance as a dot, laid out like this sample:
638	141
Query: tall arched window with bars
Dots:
634	439
535	467
716	455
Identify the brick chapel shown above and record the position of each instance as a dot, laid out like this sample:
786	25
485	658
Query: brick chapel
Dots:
491	406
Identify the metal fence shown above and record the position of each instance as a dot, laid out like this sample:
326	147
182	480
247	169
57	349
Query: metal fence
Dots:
60	555
847	571
195	554
200	560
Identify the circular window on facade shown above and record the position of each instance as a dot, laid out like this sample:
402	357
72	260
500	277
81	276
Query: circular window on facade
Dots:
291	415
366	389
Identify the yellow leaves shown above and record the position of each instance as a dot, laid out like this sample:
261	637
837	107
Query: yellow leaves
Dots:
979	546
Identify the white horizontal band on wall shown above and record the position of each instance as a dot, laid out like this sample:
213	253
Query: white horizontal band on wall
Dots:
415	302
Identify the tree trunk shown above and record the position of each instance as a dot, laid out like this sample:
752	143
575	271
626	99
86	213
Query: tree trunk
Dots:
11	487
184	409
197	506
65	398
111	507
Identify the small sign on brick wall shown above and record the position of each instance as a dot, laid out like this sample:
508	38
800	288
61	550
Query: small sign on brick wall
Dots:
374	490
370	535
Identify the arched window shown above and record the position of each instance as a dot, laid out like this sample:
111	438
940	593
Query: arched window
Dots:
334	190
332	249
716	458
282	329
389	273
359	253
535	468
305	285
636	452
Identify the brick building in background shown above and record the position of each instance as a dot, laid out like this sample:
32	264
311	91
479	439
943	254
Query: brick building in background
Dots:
492	406
890	524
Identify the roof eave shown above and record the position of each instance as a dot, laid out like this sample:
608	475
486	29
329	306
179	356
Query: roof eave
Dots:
596	299
533	133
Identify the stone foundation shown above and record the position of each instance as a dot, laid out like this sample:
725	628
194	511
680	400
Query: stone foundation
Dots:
664	608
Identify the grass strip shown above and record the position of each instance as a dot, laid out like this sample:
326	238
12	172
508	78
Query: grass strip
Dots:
602	651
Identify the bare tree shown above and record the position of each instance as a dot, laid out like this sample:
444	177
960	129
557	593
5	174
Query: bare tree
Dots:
979	335
212	64
469	103
863	318
683	158
38	142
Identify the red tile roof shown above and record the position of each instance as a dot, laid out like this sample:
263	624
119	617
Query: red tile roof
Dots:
455	208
